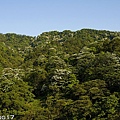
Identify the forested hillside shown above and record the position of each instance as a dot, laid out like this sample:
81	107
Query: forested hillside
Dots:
60	75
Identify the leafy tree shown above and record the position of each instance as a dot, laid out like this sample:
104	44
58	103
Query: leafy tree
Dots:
37	78
15	96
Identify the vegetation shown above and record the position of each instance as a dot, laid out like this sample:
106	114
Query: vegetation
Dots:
60	75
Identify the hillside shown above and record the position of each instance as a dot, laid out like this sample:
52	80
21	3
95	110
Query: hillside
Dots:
69	75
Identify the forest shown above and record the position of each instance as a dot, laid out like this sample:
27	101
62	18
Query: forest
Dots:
68	75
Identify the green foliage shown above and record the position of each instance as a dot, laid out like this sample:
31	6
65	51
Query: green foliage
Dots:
15	96
37	78
61	75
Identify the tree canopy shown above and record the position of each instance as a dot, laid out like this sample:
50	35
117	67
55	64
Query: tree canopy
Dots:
60	75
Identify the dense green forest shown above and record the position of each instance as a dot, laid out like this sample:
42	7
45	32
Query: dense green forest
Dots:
60	75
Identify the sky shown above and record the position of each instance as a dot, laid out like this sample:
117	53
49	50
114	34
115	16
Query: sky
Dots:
32	17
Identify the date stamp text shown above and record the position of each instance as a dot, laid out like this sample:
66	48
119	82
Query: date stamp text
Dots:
6	117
